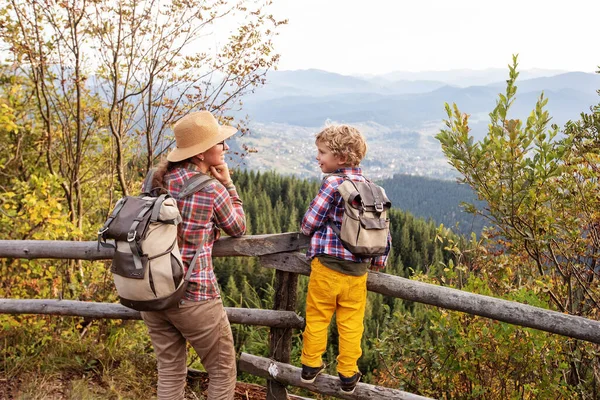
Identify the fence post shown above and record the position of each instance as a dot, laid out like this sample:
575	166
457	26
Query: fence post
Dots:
286	285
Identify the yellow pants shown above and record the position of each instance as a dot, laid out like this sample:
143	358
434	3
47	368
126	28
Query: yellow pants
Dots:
330	291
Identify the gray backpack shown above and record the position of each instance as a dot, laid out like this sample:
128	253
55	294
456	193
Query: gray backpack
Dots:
365	224
147	267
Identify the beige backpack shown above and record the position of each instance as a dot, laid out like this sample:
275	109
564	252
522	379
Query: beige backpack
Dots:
147	267
365	224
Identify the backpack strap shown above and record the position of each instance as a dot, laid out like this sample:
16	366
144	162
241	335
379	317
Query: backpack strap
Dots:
147	189
113	215
334	228
156	207
147	185
353	196
330	223
195	184
132	234
188	274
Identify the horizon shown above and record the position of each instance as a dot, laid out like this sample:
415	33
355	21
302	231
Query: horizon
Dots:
557	71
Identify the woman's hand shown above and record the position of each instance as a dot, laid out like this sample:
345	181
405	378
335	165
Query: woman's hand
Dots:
221	173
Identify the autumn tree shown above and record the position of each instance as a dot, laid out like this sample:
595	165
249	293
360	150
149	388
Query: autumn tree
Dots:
114	74
46	44
155	65
92	87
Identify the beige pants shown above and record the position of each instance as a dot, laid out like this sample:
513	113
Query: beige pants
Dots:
205	325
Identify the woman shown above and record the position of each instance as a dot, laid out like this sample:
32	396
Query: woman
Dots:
200	317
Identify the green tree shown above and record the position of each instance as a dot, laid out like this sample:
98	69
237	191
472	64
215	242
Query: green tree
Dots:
542	199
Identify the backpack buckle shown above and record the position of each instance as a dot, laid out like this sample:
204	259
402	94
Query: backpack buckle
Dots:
131	236
379	207
102	231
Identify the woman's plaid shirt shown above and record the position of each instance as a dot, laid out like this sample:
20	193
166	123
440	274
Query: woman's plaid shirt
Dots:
329	205
203	214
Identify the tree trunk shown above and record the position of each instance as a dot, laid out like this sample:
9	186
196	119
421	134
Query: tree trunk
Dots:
281	338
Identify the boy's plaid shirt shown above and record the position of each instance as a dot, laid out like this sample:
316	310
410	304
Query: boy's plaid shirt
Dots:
328	205
203	214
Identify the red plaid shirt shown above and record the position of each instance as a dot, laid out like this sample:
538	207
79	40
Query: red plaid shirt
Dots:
329	205
203	214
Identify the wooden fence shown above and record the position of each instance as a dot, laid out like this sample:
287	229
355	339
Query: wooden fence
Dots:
281	252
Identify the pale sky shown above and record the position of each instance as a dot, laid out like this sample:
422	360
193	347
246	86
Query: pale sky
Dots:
379	36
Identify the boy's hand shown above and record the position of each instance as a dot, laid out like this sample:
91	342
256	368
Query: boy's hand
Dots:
221	173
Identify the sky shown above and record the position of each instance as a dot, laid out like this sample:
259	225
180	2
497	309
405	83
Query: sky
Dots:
380	36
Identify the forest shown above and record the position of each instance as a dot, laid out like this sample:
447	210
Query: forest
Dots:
88	93
436	199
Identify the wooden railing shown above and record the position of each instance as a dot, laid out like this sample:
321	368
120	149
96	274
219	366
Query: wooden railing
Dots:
281	252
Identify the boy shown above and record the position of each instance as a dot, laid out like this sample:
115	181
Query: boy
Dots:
338	279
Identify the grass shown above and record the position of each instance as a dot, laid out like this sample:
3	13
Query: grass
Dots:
67	358
59	359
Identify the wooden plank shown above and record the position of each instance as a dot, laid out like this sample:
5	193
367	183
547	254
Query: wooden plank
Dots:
453	299
246	316
281	338
250	246
285	300
324	384
258	245
193	373
485	306
289	262
389	285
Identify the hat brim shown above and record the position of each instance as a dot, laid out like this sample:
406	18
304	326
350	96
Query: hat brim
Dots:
178	154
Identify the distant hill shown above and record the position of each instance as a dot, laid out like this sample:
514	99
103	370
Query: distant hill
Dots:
435	199
313	82
399	118
468	77
412	110
316	83
576	81
403	86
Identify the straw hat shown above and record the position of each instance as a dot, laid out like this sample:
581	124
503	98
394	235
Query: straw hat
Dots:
196	133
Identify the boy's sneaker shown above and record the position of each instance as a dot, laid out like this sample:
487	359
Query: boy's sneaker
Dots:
348	384
309	374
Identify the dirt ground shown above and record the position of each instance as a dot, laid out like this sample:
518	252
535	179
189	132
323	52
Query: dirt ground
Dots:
60	390
243	391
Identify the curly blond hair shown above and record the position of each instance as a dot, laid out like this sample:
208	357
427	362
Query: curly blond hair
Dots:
344	140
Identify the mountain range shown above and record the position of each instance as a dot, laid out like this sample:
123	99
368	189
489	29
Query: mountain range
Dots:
400	113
